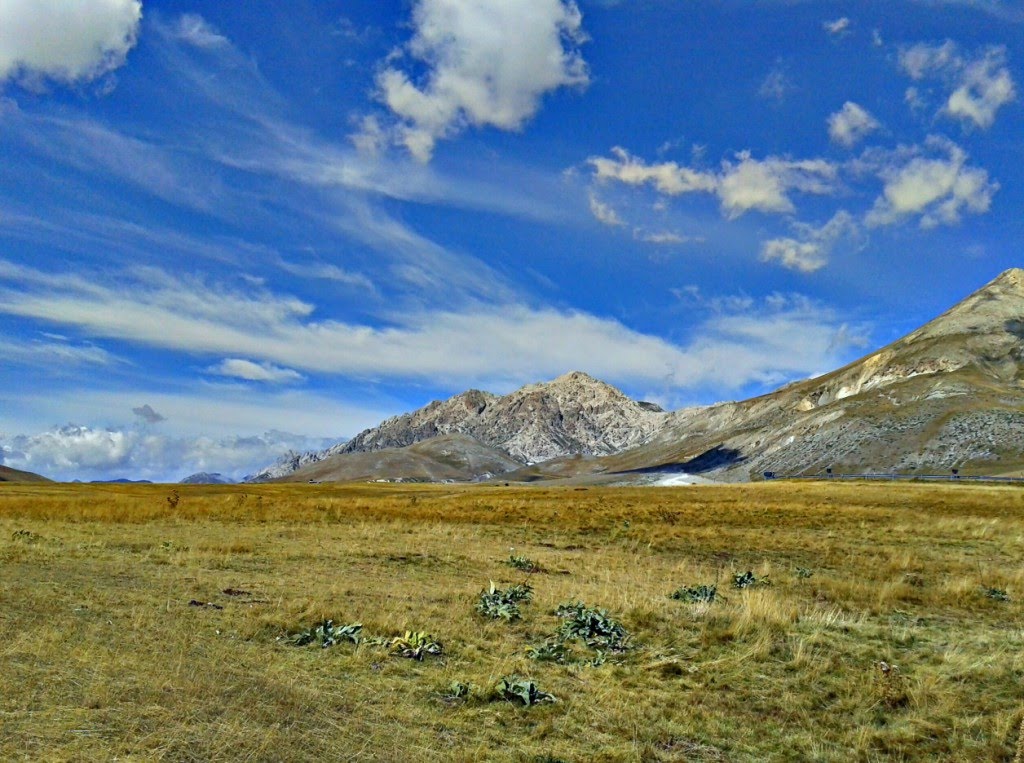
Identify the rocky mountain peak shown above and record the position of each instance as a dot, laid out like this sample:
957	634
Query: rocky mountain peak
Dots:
1014	277
574	414
983	334
988	310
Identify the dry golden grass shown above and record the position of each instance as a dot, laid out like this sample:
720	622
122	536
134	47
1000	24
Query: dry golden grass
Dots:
102	657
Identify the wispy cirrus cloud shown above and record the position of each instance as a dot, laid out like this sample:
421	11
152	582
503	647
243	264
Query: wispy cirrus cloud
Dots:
247	370
153	309
1004	10
55	353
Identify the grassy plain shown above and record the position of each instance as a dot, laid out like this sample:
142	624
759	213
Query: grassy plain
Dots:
102	657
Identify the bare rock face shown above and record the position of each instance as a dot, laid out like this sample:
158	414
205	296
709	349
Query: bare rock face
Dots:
573	415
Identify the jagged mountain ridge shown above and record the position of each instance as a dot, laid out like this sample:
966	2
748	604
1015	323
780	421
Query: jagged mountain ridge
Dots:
573	414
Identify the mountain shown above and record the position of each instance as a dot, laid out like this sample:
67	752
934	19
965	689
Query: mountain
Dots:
948	395
206	478
574	414
291	462
8	474
451	457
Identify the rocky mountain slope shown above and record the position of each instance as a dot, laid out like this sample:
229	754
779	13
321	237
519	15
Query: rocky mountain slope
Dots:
574	414
949	395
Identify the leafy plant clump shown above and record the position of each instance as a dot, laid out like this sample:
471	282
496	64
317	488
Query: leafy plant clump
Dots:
414	645
700	594
997	594
524	563
550	651
594	627
328	634
503	605
524	691
749	580
803	573
456	692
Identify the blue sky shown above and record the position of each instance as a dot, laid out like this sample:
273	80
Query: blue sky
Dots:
231	229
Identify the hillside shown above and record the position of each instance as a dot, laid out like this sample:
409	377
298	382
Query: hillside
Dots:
454	457
950	394
8	474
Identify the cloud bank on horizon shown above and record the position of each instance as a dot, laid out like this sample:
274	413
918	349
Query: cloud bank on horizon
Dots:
219	222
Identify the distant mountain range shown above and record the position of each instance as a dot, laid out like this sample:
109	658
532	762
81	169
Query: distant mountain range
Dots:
949	395
206	478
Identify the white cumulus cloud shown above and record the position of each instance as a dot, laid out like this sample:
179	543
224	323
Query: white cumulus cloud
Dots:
604	213
985	85
488	64
934	183
66	40
851	124
810	250
979	86
83	452
765	184
741	185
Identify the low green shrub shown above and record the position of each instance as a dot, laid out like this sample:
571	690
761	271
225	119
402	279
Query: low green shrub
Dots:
700	594
328	634
503	605
515	689
594	627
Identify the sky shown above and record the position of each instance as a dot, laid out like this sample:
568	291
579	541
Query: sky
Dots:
229	229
